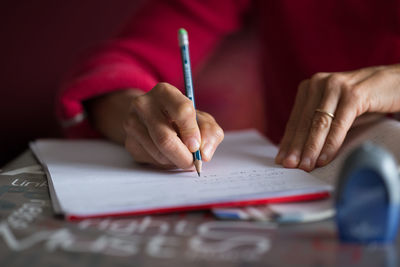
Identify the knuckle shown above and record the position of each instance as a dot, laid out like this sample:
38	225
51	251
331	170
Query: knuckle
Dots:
219	133
347	88
163	87
331	144
311	149
205	116
186	110
320	123
339	124
207	126
336	79
318	76
139	103
213	131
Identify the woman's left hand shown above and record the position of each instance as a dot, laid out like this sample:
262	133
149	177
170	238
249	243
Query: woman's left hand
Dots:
327	105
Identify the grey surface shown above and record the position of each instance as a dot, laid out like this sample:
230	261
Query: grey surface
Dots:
30	235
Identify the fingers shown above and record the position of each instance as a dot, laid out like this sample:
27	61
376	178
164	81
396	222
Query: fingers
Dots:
344	118
168	142
140	154
321	124
140	145
180	110
162	129
313	96
367	90
313	134
211	135
161	132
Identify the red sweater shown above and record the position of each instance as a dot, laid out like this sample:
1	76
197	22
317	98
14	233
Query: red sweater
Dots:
299	38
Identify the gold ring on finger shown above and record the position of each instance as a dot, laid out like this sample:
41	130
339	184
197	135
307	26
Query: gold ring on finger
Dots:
325	112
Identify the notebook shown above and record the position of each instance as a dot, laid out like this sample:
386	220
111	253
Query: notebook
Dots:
96	178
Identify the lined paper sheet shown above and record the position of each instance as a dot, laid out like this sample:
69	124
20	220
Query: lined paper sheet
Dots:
95	177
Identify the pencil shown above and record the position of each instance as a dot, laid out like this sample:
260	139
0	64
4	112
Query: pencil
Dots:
187	75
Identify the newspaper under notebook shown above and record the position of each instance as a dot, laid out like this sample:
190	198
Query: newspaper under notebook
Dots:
93	178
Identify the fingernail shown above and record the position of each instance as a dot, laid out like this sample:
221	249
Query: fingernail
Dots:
293	159
193	144
206	151
305	163
279	157
322	159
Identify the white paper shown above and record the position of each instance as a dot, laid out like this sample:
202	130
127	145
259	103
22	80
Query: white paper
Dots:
94	177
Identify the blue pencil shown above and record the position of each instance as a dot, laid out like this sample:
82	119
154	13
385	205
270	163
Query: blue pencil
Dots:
187	74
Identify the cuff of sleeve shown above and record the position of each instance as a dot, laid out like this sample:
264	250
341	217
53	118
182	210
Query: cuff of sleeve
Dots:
103	80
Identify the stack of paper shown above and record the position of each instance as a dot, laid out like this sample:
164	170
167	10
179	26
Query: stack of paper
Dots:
91	178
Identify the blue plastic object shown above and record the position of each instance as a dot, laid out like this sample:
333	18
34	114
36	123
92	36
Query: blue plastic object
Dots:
368	196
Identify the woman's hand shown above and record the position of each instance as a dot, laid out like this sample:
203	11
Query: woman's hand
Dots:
312	136
161	129
158	127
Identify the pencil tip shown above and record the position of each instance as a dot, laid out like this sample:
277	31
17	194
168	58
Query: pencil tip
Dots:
198	164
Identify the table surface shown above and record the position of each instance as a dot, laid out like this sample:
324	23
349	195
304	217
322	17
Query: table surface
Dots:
30	235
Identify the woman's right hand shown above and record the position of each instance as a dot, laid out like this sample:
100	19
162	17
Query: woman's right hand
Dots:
161	129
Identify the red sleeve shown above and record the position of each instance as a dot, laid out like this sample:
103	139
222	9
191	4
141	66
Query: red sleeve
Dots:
147	52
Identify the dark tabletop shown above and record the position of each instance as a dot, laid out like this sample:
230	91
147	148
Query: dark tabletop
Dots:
30	235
